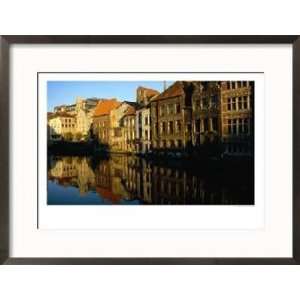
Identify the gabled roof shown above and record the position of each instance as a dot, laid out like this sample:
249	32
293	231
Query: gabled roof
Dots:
149	93
104	107
174	90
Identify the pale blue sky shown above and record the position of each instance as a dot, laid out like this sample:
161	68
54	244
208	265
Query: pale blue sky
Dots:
65	92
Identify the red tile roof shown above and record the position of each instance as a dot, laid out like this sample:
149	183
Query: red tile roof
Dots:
174	90
104	107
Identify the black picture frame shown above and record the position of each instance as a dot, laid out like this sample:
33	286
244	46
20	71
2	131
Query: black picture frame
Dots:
5	44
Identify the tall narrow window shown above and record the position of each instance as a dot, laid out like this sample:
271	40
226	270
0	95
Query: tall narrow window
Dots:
240	106
229	127
206	124
215	124
228	104
233	103
234	129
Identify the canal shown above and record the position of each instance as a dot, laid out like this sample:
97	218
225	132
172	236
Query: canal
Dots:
132	180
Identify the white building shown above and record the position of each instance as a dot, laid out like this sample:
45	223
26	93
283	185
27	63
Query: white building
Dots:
61	126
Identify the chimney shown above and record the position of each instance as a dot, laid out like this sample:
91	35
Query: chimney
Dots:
165	85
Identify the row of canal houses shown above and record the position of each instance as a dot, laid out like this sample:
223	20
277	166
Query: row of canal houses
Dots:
186	115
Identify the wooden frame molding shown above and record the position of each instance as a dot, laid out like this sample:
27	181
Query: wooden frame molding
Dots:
7	41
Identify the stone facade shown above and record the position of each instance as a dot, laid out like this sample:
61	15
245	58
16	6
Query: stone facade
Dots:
61	126
129	127
85	109
117	138
188	116
205	113
168	113
82	112
102	122
237	122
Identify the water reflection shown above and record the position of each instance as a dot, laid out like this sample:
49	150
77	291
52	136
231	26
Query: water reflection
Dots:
123	179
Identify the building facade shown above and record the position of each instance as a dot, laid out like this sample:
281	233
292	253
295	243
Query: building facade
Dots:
102	122
85	109
61	126
81	112
143	120
216	117
168	117
206	113
237	121
117	138
129	124
192	115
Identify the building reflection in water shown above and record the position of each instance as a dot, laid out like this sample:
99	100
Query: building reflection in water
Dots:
124	179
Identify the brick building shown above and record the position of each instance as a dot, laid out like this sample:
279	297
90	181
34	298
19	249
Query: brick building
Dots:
169	114
101	120
237	121
189	115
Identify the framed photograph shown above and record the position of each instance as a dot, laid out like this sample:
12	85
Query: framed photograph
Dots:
149	149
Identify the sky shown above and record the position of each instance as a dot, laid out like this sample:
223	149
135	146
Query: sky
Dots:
65	92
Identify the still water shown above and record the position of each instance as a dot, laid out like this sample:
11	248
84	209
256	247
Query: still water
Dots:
132	180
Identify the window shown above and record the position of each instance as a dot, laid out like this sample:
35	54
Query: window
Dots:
229	127
229	104
155	128
244	83
233	103
170	109
240	106
233	125
245	102
162	127
233	84
228	85
170	129
241	127
146	120
177	105
215	124
205	124
197	125
239	84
